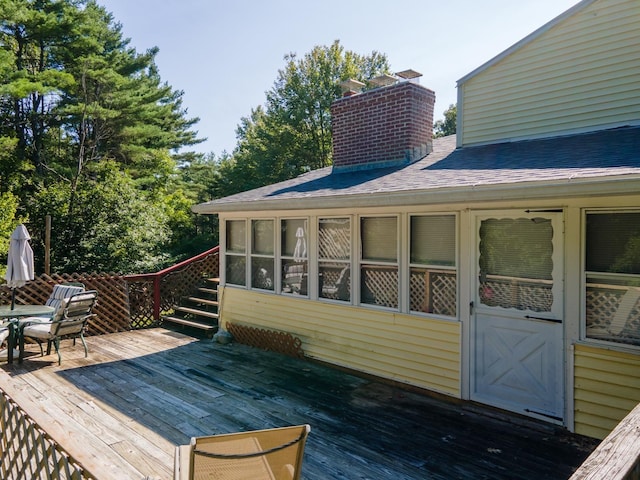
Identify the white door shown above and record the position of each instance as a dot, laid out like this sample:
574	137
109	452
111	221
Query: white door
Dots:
517	332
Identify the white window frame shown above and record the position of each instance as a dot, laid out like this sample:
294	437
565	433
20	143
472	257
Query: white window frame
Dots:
361	262
228	253
454	268
282	257
347	263
251	255
610	343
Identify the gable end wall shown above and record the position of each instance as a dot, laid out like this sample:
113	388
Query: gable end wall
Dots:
580	75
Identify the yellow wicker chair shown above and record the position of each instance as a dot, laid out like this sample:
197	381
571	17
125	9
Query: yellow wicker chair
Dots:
272	454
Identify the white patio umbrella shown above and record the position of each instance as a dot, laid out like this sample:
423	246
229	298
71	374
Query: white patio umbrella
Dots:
19	262
300	250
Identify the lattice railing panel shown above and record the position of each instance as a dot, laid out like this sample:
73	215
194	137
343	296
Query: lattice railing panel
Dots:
380	286
28	452
535	295
335	281
334	243
605	317
141	299
124	302
181	282
112	309
274	341
433	291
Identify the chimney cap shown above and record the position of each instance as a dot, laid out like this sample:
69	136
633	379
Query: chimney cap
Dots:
351	85
384	80
408	74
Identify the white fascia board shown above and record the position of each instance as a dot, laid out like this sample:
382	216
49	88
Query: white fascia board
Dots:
564	188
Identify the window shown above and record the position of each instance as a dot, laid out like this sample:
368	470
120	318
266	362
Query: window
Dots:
432	273
379	261
293	250
612	263
334	258
262	254
236	251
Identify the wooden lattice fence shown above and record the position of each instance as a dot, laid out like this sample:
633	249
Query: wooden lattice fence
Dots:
271	340
156	293
125	302
112	309
28	452
613	313
520	293
380	286
433	291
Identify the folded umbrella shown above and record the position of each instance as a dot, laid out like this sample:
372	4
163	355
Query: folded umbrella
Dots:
19	262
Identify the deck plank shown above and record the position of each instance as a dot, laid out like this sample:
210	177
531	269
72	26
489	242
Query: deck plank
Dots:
122	410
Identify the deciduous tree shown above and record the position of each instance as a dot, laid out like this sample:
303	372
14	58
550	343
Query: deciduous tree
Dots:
442	128
292	133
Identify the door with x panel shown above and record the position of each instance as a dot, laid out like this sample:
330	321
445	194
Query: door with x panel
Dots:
517	332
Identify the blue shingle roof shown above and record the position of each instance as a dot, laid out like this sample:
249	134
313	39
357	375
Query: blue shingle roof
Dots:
585	156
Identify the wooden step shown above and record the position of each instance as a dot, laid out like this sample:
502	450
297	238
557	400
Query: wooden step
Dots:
203	301
195	311
208	291
191	323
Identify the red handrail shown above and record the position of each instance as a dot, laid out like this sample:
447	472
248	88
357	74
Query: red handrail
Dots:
157	277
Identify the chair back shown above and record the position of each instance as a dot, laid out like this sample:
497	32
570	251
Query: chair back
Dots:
272	454
60	296
76	313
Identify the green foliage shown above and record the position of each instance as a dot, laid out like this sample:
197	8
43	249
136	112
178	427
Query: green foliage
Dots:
113	227
88	135
8	207
292	133
442	128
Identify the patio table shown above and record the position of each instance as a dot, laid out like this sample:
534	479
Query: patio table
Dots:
11	318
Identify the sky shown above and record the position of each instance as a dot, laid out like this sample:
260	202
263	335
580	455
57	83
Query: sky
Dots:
225	54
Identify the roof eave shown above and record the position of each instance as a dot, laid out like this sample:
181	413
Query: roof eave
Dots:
569	187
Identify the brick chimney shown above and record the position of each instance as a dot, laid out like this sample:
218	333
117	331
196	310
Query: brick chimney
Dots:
391	125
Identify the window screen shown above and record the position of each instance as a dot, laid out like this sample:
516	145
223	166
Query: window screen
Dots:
235	258
236	236
262	254
612	261
433	240
379	268
262	234
433	286
334	258
379	239
293	251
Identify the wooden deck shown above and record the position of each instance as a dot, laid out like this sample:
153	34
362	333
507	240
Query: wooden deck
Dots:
121	412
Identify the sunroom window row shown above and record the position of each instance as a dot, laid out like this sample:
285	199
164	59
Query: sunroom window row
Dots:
351	259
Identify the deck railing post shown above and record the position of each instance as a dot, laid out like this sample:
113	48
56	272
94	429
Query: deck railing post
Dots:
156	298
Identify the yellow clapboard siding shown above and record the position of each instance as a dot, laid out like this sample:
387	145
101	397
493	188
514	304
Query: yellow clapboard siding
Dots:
611	396
616	90
606	388
411	349
583	382
594	369
604	414
594	425
578	75
424	378
615	65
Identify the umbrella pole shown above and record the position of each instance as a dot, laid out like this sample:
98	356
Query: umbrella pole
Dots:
13	298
